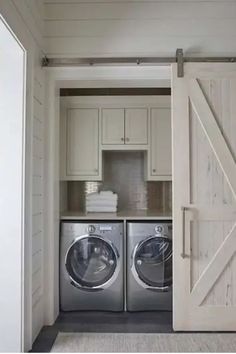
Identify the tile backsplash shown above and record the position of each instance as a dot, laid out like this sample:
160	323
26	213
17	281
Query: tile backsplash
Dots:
123	174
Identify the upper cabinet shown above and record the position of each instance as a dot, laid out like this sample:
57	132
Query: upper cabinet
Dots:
160	148
127	126
136	126
90	125
82	145
113	126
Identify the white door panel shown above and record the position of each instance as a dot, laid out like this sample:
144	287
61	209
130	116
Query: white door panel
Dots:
204	170
113	129
82	142
160	142
136	126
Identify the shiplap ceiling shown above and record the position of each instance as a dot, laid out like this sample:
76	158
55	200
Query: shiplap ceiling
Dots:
138	27
120	1
32	13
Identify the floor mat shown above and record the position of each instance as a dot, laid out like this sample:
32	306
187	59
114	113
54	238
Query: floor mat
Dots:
144	342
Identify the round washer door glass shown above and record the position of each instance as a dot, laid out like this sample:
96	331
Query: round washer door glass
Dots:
91	262
153	261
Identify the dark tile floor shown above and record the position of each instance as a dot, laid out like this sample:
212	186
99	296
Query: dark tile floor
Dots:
113	322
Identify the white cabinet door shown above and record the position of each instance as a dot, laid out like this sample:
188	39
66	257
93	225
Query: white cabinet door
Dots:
160	150
113	126
82	155
136	126
204	200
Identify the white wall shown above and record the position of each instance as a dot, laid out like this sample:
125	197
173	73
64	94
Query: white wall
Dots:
139	27
12	82
32	15
25	17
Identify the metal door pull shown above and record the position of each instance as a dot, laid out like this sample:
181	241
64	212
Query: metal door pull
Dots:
184	209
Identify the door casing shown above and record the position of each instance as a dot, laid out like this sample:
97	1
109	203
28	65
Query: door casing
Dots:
80	77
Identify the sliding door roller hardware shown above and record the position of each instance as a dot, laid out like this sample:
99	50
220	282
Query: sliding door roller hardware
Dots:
179	58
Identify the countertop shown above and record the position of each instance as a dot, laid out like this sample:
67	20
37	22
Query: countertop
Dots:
120	215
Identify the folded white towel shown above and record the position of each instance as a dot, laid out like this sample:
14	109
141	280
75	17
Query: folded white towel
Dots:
106	193
101	203
101	199
101	209
101	196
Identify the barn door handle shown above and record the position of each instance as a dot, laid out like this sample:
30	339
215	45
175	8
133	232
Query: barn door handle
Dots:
184	209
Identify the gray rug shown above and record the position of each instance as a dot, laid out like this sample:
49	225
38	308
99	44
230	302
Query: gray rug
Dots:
138	342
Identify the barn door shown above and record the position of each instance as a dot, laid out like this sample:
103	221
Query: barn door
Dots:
204	203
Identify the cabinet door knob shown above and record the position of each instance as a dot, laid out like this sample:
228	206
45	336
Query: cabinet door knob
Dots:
154	170
127	139
95	170
122	139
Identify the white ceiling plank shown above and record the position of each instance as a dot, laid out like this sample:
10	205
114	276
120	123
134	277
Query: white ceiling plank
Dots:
139	10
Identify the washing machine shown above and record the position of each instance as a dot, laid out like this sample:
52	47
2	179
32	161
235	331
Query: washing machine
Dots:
91	266
149	266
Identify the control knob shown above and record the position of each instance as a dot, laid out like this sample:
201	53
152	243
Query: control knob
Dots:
91	229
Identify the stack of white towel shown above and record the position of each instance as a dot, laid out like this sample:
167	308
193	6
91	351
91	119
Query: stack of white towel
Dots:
103	202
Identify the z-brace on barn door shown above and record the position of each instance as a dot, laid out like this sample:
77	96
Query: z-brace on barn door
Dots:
204	203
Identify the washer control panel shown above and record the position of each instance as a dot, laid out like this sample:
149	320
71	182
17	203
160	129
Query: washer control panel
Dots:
76	229
91	229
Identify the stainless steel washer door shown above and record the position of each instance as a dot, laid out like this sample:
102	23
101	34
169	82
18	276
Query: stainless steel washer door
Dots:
92	262
152	262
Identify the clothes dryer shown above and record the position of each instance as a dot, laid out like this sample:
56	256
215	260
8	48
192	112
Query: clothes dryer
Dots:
149	266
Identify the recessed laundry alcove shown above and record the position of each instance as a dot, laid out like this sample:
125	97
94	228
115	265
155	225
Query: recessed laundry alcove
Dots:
124	174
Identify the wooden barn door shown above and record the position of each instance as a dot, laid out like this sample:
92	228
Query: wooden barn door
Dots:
204	197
